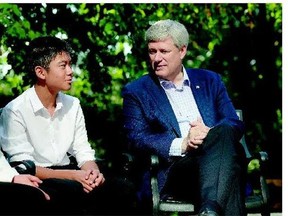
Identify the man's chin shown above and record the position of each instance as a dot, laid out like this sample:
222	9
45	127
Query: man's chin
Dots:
161	73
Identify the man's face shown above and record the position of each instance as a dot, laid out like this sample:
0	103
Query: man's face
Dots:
59	75
166	58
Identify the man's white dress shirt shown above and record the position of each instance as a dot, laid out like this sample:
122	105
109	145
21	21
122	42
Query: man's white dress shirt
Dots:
184	106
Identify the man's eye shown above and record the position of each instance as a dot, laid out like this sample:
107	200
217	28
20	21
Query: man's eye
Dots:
165	51
152	52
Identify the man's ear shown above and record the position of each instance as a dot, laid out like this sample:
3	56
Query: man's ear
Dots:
40	72
183	51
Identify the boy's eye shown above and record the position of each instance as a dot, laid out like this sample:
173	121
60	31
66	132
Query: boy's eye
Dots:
63	65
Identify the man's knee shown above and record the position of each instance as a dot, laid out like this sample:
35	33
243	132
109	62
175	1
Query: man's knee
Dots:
222	129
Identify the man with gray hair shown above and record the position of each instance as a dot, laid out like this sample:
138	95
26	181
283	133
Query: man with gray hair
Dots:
185	116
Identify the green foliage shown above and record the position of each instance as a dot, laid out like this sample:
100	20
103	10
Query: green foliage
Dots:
108	40
253	166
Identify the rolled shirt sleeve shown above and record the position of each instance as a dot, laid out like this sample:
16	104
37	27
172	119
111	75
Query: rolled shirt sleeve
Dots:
6	171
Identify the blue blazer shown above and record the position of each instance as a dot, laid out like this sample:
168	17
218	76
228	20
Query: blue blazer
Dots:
150	124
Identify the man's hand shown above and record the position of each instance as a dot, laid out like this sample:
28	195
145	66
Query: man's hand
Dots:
196	135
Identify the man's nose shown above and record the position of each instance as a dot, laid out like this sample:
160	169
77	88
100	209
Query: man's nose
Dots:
158	56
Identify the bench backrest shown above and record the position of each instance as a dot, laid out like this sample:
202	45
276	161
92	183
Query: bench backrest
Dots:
242	140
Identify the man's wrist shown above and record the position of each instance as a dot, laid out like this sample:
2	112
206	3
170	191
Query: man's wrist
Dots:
184	145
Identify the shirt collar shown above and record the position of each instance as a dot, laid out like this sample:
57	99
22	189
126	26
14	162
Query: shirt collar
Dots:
166	84
37	104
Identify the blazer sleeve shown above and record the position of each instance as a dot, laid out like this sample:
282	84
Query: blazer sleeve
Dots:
145	126
212	98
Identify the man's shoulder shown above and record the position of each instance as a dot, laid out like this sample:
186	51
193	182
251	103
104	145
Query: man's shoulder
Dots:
201	71
139	82
202	74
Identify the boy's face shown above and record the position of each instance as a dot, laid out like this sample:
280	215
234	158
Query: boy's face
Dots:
59	75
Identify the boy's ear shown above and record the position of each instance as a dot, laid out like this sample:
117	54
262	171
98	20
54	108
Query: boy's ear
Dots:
40	72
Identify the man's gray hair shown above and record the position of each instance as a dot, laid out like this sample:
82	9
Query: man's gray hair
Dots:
164	29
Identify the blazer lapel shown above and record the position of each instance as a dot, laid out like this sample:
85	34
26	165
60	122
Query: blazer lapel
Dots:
198	91
158	95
